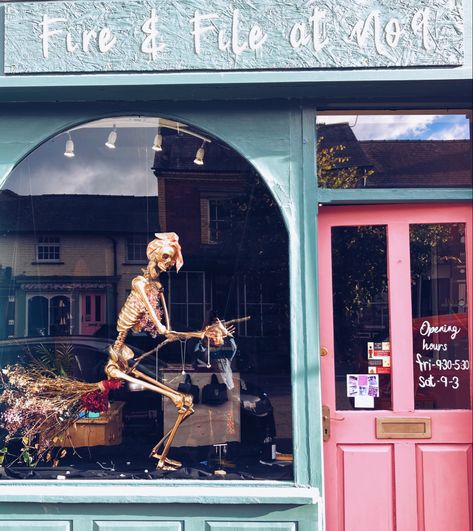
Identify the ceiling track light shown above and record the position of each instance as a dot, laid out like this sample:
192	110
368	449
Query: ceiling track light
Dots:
69	150
199	156
158	142
112	138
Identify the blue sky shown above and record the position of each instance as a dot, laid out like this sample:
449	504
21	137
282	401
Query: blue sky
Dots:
404	127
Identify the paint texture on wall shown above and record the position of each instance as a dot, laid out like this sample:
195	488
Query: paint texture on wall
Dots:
199	35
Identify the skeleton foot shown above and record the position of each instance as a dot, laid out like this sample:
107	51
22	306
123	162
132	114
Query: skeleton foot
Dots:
166	463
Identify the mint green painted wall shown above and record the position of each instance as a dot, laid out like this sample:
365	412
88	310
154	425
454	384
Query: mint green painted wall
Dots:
192	517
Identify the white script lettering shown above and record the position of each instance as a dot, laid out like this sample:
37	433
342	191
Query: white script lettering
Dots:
419	22
46	32
150	45
253	41
426	329
104	38
302	34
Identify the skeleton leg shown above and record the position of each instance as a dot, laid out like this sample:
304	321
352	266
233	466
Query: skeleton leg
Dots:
155	450
169	435
181	401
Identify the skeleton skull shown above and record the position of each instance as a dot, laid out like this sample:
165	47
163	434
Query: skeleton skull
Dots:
164	252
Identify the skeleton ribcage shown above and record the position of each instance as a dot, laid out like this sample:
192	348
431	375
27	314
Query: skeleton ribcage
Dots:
130	314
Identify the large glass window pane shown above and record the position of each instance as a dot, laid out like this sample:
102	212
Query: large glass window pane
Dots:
361	318
395	150
440	316
76	221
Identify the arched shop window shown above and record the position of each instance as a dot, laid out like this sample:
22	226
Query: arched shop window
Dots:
76	216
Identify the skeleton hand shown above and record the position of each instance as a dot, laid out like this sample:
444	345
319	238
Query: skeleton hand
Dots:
217	332
230	330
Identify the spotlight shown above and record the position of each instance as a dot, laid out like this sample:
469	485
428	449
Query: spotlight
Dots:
199	156
112	138
69	152
158	142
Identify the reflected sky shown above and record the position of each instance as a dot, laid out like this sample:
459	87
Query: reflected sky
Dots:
404	126
95	169
126	170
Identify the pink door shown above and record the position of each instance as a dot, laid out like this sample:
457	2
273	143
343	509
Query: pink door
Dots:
396	329
92	313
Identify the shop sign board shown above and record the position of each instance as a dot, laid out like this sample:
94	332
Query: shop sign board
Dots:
214	35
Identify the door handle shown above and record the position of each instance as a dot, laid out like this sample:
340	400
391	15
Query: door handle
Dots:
326	423
326	419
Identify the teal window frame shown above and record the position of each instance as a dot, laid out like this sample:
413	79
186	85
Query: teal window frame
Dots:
328	196
269	136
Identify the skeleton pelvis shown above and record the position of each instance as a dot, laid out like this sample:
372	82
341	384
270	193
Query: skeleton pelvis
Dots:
123	353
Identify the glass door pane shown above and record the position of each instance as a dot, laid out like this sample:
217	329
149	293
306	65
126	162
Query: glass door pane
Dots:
361	317
440	316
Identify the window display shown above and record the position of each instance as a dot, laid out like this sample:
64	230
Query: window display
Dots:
81	401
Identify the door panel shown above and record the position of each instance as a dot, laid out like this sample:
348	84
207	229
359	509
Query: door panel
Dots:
444	485
362	468
428	264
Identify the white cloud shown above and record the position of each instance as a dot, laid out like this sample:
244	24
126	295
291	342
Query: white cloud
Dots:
455	132
49	172
407	126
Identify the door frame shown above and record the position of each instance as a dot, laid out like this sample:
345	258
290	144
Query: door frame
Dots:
352	427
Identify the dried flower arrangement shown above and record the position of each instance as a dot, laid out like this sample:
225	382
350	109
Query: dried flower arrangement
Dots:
40	405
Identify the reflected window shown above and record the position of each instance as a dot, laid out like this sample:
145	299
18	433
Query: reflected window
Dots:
48	249
49	315
394	150
187	299
136	247
218	219
257	299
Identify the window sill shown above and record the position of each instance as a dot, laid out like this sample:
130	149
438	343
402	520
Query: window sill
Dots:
219	492
47	262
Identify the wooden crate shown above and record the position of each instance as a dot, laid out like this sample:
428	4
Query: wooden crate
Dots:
105	430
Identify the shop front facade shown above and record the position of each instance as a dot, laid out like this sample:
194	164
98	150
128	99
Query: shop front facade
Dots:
315	163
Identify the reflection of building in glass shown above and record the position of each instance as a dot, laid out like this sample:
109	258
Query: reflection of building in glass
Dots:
209	207
395	163
71	282
72	257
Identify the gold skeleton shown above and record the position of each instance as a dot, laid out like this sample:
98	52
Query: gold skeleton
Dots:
140	312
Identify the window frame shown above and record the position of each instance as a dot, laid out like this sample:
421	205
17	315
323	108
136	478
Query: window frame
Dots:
332	196
49	296
132	242
205	304
52	245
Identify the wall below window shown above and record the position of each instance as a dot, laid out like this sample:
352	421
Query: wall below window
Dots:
175	517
